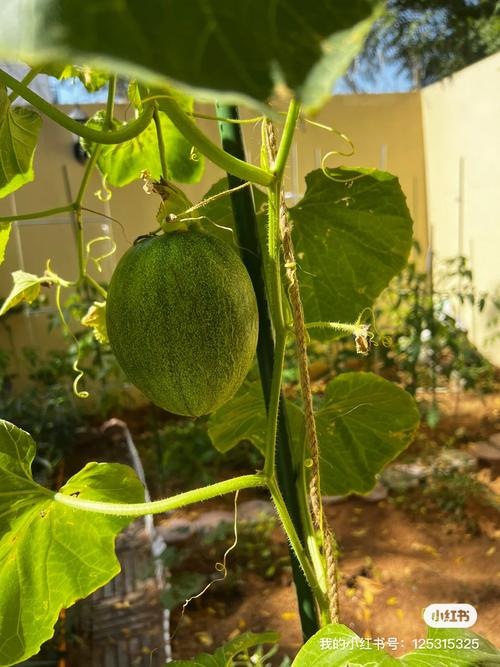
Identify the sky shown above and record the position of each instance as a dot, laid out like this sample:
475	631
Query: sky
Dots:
388	81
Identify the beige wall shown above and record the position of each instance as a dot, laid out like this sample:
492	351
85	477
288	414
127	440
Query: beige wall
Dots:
461	120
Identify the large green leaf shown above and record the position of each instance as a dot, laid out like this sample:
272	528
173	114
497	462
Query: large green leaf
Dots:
51	555
123	163
236	53
338	646
19	129
364	423
351	238
225	655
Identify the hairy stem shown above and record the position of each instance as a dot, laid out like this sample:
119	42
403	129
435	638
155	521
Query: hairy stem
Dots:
110	104
96	286
161	145
286	139
214	153
296	544
166	504
301	340
128	131
80	244
36	215
274	405
86	176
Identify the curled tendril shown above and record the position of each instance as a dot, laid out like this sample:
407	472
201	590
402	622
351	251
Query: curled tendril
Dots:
104	193
194	155
384	339
80	373
219	567
97	260
332	153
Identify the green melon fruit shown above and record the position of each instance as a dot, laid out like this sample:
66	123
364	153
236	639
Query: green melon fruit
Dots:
182	321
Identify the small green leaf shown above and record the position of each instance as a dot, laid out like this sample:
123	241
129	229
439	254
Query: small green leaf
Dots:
123	163
242	418
5	228
19	129
338	646
225	655
209	48
51	555
95	318
26	288
350	239
364	423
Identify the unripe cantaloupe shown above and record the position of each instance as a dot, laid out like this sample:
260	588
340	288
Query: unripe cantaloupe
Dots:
182	320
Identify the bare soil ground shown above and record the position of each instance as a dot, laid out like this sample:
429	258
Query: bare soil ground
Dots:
396	557
393	564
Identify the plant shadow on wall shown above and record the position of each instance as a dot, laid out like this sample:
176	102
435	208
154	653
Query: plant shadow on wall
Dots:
187	336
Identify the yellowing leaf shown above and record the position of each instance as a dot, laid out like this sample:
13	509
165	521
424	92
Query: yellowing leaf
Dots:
26	288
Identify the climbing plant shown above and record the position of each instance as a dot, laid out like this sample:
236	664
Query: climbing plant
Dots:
315	270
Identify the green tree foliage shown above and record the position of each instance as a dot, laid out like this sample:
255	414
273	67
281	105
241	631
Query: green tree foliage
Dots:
430	39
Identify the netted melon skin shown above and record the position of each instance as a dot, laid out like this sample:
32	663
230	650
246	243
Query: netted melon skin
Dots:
182	321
